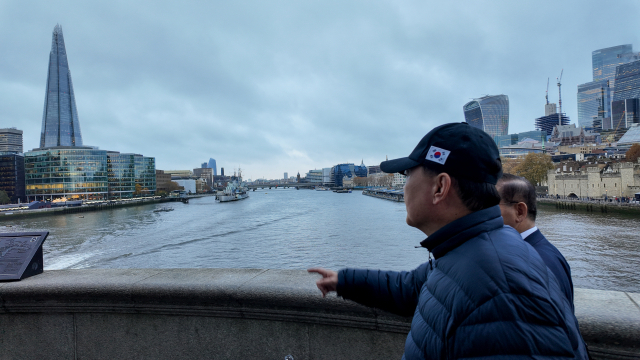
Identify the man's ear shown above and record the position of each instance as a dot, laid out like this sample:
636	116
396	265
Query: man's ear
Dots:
441	187
521	211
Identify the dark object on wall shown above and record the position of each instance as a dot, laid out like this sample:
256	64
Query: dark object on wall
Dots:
21	254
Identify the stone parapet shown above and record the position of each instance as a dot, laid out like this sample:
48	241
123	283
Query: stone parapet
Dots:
234	313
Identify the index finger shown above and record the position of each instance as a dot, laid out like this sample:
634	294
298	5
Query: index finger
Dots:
320	271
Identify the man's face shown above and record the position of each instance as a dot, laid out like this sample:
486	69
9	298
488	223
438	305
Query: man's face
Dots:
417	196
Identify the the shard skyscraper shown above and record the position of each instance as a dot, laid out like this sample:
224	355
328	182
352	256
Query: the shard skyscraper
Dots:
60	126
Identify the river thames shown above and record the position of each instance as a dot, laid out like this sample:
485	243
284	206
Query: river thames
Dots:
298	229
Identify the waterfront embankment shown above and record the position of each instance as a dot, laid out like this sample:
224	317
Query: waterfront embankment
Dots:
387	194
89	206
235	313
591	206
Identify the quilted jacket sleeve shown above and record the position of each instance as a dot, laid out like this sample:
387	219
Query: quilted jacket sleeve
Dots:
392	291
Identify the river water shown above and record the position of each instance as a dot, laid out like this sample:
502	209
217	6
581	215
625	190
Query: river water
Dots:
291	229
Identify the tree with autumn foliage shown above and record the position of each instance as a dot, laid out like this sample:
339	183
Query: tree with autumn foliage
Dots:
534	168
633	153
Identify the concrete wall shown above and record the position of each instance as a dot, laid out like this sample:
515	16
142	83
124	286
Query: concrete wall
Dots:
233	314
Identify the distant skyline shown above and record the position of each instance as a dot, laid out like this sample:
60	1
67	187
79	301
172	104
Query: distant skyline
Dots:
290	86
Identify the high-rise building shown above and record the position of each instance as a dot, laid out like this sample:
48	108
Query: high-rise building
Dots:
60	126
340	171
12	176
594	100
546	123
605	61
489	113
212	165
625	105
286	176
11	141
62	167
204	165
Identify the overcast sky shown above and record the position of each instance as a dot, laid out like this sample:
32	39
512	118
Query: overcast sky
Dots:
288	86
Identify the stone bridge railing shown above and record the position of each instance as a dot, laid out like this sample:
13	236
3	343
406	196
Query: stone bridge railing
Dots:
234	314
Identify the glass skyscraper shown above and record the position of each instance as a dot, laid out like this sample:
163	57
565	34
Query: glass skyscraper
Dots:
62	167
605	61
625	99
212	165
593	98
60	126
489	113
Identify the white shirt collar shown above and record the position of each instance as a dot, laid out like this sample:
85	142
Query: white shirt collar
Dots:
526	233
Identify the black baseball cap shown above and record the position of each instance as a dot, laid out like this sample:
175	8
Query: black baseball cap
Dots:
457	149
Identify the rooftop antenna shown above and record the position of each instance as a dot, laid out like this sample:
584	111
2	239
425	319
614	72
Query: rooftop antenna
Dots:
546	96
560	97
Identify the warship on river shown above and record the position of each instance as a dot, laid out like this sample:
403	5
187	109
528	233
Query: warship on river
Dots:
235	190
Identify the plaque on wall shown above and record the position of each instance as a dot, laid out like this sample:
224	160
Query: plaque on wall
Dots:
21	254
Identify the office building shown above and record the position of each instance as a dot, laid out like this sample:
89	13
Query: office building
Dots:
594	100
489	113
521	148
62	167
212	165
121	173
349	170
60	125
205	174
204	165
547	123
11	141
625	103
286	176
605	61
162	181
513	139
72	173
314	176
12	176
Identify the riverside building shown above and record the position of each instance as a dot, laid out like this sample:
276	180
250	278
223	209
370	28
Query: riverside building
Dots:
62	168
10	141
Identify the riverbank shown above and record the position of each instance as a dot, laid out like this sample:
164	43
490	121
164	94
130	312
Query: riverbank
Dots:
599	207
236	313
93	206
386	194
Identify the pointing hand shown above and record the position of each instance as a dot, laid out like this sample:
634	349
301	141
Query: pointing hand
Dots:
329	281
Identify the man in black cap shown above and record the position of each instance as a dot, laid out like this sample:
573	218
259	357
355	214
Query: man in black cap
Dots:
486	293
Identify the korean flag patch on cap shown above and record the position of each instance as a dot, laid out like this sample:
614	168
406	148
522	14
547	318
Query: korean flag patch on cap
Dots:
438	155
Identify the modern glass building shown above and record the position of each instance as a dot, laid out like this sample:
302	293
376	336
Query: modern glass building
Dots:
625	100
594	99
212	165
69	172
339	171
547	123
62	167
605	61
12	176
121	169
60	126
632	136
489	113
145	174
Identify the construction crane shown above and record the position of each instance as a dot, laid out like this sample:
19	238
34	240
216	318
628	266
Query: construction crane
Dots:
546	95
560	97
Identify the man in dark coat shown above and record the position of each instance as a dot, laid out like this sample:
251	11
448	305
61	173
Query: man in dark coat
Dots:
519	210
486	293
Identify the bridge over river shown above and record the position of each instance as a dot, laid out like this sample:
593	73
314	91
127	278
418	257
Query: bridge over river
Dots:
235	314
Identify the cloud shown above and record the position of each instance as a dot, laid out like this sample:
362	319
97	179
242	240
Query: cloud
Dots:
292	86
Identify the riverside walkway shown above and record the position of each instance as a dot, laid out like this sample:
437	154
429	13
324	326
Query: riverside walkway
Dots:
235	314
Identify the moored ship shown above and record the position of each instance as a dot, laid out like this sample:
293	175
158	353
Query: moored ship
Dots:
235	190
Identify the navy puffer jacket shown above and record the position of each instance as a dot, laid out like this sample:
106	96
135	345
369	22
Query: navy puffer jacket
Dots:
487	294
